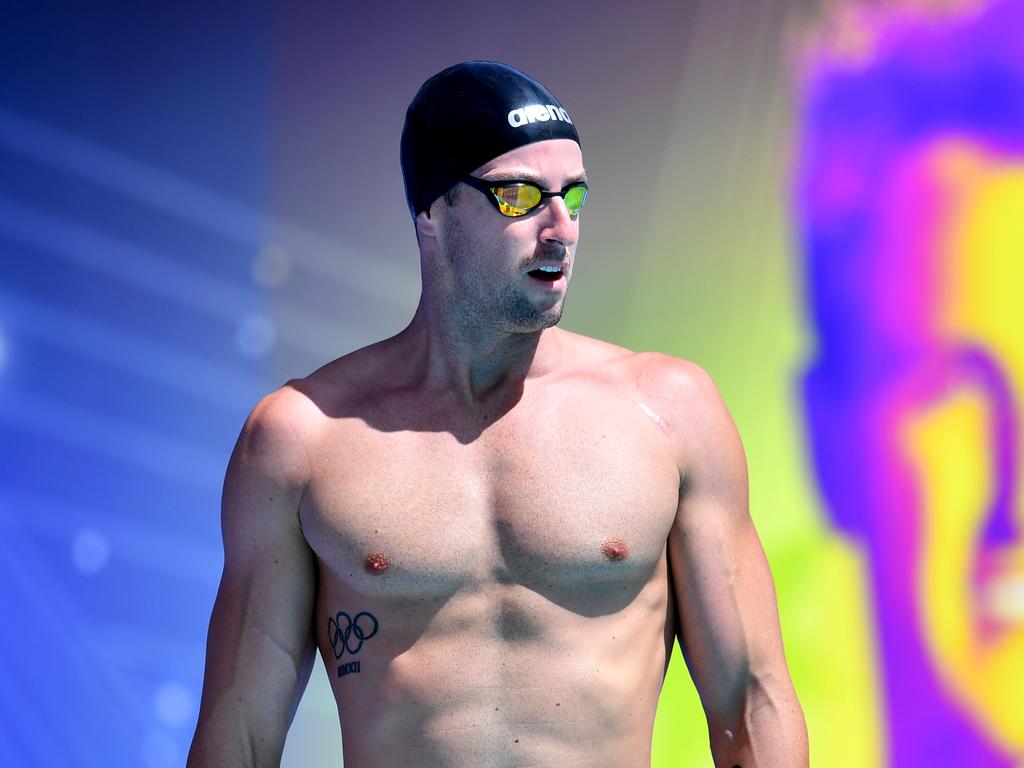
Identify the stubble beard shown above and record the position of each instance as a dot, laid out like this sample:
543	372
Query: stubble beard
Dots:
479	299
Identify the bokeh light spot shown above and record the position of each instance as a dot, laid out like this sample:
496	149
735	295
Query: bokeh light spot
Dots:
272	265
173	703
90	551
256	336
159	750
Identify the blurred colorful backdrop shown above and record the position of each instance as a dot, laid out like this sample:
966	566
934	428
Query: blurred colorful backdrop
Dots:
822	203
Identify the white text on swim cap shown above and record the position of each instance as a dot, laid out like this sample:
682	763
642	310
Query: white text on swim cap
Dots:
533	113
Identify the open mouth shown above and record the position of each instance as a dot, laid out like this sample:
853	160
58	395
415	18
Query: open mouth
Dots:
999	591
547	275
1004	599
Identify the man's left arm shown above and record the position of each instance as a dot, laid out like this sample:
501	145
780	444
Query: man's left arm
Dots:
725	598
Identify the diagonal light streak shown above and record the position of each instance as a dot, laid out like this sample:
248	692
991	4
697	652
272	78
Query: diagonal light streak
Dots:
51	612
22	732
183	372
182	463
153	273
142	546
203	207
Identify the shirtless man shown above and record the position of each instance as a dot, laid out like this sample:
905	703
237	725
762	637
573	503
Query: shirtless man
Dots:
491	528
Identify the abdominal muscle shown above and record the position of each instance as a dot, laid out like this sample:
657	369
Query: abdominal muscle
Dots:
496	675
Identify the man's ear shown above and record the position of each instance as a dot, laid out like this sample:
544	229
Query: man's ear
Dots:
425	225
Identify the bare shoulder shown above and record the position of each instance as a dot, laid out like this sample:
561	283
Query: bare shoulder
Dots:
679	390
681	383
689	403
278	433
289	409
286	429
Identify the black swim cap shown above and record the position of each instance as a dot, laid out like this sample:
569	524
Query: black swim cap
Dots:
468	114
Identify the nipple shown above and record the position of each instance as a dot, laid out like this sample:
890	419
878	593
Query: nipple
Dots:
376	563
615	549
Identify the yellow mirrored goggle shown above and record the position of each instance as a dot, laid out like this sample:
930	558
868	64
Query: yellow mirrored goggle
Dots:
518	198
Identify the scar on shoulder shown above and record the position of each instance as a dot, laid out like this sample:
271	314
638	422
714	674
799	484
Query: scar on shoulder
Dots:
654	416
615	549
376	562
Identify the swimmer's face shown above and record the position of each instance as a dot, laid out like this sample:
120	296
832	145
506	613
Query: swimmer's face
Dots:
485	257
972	567
920	450
926	461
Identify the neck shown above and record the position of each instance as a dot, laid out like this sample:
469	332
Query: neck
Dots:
472	361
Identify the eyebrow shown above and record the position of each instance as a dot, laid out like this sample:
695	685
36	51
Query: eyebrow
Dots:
522	175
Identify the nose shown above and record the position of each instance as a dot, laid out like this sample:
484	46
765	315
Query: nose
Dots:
558	225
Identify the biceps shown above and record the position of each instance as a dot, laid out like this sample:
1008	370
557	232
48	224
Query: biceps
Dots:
257	664
726	603
261	628
259	654
260	644
263	614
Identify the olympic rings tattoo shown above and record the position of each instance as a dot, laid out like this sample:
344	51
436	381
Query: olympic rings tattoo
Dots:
342	627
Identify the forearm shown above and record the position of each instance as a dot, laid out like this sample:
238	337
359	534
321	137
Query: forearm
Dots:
247	709
210	750
765	728
225	739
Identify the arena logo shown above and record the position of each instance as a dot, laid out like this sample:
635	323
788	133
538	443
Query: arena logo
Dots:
537	113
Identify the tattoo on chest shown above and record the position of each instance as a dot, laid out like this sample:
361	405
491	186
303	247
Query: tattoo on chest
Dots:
347	635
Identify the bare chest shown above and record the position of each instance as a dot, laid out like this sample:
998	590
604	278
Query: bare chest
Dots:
553	497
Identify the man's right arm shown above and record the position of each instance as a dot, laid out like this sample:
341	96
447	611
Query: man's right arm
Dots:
260	647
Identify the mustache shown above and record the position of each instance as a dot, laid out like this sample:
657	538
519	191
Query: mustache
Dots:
553	253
